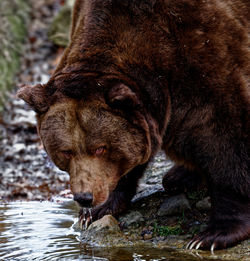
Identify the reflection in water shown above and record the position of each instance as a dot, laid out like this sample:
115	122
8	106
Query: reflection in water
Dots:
44	231
38	230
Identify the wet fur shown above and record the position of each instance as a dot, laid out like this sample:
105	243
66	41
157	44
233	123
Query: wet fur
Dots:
184	70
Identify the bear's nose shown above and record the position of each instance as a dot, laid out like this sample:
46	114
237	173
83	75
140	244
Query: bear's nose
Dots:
84	199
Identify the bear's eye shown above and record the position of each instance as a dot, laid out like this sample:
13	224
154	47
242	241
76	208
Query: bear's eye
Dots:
67	154
100	151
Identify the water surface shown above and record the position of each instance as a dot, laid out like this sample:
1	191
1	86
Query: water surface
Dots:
44	231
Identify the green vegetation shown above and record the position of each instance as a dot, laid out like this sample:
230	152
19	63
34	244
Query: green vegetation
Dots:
59	30
167	230
13	20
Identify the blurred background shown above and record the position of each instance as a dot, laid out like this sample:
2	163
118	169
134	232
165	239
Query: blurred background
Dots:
33	35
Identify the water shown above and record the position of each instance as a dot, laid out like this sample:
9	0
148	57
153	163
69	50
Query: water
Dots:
44	231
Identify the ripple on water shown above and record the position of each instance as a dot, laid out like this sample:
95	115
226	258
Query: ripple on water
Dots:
30	230
41	231
44	231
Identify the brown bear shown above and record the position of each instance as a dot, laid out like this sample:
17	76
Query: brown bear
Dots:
138	76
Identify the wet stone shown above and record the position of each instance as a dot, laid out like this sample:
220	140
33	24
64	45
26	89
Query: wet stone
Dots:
132	219
104	232
204	204
108	222
18	148
174	206
147	236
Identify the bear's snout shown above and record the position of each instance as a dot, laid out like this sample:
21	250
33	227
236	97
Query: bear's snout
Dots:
84	199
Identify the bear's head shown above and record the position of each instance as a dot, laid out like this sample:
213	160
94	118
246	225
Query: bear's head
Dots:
96	140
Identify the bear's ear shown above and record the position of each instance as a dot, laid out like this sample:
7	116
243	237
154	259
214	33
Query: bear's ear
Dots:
35	96
122	97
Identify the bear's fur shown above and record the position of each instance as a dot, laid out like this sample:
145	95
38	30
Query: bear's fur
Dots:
138	76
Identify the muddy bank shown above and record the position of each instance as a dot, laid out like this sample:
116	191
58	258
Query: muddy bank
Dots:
159	221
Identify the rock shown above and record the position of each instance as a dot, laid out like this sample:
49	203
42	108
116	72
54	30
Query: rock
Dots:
147	236
104	232
146	190
18	148
147	233
204	204
174	206
133	218
108	222
155	171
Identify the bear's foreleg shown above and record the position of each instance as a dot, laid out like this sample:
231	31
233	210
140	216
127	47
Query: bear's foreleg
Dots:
229	222
180	180
229	185
119	199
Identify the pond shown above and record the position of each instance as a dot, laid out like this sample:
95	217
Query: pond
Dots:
44	230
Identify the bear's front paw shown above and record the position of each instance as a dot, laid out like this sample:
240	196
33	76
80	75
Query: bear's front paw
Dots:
114	206
219	238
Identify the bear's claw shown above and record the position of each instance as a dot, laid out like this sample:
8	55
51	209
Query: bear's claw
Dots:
218	238
196	245
113	206
192	244
85	218
206	240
